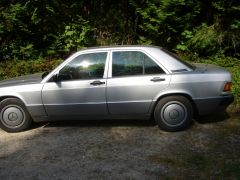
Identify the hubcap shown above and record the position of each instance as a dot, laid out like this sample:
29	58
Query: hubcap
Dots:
12	116
174	113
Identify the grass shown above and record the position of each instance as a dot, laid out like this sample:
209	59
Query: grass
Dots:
217	159
199	164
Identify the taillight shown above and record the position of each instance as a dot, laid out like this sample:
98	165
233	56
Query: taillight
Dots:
227	86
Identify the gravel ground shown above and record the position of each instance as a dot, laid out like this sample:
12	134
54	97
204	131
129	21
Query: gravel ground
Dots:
122	150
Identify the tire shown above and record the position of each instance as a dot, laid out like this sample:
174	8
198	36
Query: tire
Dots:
173	113
14	115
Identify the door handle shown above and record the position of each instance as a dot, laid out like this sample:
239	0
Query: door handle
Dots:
96	83
156	79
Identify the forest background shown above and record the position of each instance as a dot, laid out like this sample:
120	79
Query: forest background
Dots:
36	35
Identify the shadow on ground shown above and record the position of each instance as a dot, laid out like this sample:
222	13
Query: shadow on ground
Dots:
213	118
97	123
123	122
121	149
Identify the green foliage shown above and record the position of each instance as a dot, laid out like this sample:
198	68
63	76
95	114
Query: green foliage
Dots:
182	46
30	29
75	36
143	40
163	22
9	69
205	40
218	30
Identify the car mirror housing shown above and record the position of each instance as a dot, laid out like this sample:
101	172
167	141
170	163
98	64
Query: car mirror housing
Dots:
61	77
55	77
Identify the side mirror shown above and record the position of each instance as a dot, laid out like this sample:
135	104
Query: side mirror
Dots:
61	77
55	78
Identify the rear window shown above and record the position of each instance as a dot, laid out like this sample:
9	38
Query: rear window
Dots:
190	66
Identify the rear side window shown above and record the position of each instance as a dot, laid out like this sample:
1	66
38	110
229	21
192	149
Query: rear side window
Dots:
132	63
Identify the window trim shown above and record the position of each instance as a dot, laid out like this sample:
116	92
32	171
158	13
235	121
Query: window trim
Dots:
71	58
138	50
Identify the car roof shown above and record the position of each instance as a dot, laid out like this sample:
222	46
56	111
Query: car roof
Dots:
119	47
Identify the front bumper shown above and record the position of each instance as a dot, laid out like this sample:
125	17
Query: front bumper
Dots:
211	105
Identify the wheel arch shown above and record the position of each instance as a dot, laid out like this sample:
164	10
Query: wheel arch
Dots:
11	96
186	95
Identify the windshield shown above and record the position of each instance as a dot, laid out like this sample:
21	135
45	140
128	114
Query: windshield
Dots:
190	66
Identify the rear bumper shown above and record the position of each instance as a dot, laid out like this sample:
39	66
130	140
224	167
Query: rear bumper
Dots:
211	105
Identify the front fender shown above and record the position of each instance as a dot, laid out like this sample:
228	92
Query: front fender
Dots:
30	95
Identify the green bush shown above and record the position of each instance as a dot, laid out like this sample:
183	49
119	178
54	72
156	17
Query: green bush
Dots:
75	36
9	69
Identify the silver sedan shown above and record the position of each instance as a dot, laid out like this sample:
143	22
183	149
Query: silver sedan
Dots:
121	82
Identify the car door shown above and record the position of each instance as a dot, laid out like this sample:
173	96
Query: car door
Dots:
134	80
78	88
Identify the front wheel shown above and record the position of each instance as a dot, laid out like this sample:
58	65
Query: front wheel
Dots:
14	115
173	113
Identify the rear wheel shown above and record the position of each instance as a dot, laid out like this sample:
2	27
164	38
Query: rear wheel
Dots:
14	116
173	113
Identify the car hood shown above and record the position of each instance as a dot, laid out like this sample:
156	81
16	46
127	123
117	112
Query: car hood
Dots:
22	80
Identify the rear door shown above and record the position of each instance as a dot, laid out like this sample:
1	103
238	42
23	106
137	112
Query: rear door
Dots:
134	80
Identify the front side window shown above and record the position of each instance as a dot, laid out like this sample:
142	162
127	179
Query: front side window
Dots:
85	66
129	63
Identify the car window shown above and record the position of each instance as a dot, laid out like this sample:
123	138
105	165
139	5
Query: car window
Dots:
127	63
151	67
190	66
85	66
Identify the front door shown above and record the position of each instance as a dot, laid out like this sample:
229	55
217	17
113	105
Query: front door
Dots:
80	88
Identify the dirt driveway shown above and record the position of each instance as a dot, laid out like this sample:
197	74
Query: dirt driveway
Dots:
122	150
